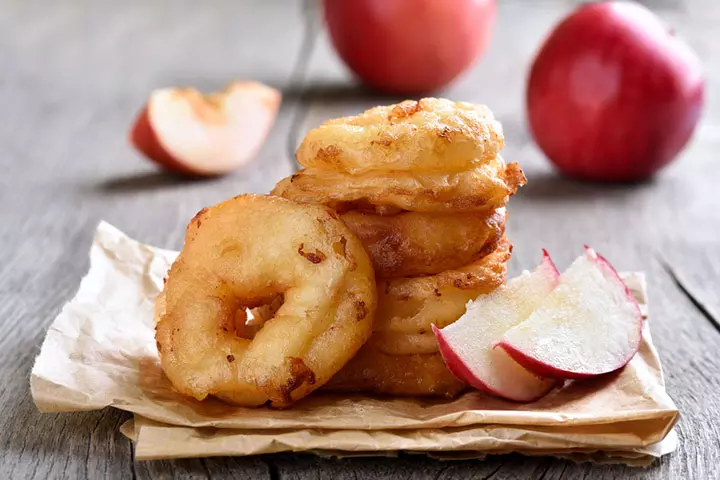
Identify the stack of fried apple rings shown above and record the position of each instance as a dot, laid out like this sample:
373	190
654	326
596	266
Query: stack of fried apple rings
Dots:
422	185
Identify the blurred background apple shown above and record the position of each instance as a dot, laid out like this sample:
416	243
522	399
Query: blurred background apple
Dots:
613	94
205	135
409	46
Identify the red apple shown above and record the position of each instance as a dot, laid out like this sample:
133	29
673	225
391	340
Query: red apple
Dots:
409	46
467	346
205	135
589	325
613	95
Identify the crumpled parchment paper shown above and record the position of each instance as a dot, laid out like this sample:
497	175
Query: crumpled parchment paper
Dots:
100	351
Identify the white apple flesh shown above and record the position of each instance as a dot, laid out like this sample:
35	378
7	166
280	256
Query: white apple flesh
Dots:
205	135
589	325
467	344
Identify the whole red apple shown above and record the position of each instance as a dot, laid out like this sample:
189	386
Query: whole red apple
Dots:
613	95
409	46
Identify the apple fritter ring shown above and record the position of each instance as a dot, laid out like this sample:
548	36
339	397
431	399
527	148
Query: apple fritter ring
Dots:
373	371
411	305
244	253
411	243
428	134
479	189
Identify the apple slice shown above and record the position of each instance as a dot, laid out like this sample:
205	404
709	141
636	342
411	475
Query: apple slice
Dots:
589	325
467	345
205	135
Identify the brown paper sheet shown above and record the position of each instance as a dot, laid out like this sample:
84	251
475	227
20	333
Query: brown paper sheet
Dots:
100	351
155	440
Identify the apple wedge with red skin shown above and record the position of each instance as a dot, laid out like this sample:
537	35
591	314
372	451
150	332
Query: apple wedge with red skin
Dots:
589	325
467	345
187	132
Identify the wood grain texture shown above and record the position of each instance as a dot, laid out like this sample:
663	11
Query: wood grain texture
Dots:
73	77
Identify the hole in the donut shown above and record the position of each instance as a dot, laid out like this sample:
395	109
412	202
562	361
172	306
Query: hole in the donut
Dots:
248	322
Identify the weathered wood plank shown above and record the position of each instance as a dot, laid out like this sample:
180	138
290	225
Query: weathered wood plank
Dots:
73	78
695	269
240	468
409	467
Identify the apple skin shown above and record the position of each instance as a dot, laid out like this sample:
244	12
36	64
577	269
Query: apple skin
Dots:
612	95
607	266
409	46
143	137
205	135
545	370
540	368
458	368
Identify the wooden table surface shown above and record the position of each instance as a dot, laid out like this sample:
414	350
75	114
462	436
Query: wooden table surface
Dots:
73	75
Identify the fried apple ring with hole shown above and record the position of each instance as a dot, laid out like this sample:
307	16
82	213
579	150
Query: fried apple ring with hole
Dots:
428	134
372	371
243	253
411	243
480	189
